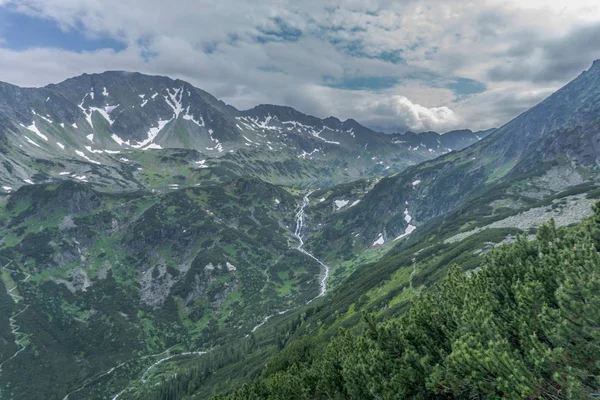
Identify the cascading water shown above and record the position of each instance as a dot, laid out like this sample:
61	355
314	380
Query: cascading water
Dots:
300	217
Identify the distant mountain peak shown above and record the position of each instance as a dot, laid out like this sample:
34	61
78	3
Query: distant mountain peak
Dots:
332	119
95	116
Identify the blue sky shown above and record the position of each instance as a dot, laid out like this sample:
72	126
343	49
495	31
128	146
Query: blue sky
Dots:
418	65
21	32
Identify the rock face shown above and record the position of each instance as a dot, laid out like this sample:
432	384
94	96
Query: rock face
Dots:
546	150
570	210
92	128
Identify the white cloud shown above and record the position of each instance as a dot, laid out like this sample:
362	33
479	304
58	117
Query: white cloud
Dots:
385	110
400	110
512	46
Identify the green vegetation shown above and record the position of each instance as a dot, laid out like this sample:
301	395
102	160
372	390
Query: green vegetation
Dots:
174	273
114	280
525	325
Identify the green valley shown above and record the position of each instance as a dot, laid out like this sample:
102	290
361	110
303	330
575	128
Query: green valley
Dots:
157	243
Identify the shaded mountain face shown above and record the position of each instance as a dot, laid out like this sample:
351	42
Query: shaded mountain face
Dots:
575	107
546	150
133	104
108	127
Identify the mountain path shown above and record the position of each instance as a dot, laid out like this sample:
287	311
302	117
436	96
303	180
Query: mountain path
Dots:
20	337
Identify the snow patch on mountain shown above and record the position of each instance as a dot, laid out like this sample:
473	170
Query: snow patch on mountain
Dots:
409	229
265	124
89	148
218	146
174	100
244	121
117	139
35	130
82	155
316	134
407	216
59	144
32	142
104	92
86	112
105	112
202	164
296	124
340	204
42	117
230	267
379	242
152	133
305	154
189	117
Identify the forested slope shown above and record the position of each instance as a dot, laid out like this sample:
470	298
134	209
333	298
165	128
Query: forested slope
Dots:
523	325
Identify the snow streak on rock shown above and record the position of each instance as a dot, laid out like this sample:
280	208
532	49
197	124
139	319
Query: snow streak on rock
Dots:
35	130
175	101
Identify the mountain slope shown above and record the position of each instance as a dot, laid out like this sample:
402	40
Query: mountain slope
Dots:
96	126
544	151
462	206
134	267
85	270
519	327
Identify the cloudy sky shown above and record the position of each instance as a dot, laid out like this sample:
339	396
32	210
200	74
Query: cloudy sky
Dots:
390	64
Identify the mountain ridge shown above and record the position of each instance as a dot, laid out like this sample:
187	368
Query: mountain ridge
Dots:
126	73
107	120
132	271
507	158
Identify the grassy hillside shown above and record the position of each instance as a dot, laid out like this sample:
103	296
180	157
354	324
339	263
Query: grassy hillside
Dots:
521	325
96	280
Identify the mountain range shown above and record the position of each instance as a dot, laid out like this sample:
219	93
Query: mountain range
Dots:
99	126
155	238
